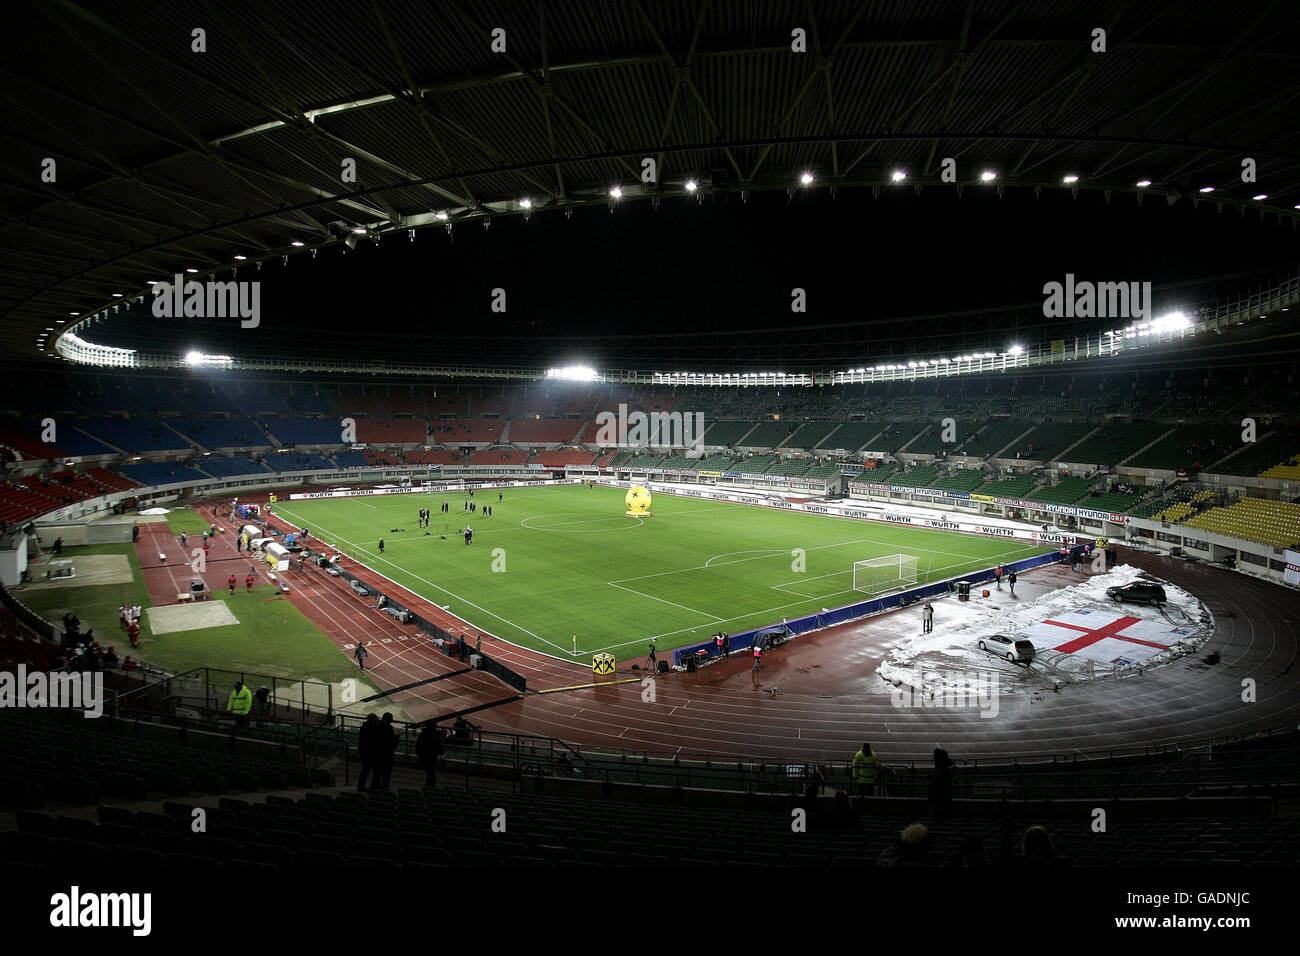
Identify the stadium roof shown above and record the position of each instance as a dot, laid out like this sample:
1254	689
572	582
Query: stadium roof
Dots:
167	158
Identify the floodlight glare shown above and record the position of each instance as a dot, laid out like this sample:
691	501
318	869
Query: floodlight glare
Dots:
988	175
241	258
616	192
440	216
691	185
297	242
806	179
1259	197
191	270
1016	349
526	203
572	373
1143	183
1207	189
1070	179
898	175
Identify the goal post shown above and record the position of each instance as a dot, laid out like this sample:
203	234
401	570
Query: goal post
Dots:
886	574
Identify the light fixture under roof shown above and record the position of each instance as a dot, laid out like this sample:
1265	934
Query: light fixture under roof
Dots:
988	176
191	269
898	175
1207	189
616	192
1260	196
691	185
526	203
806	178
359	230
1143	183
1070	179
440	216
241	258
297	242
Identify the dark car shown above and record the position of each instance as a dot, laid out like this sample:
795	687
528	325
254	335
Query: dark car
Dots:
1139	592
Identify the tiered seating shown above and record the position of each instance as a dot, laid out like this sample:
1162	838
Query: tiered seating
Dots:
898	434
133	435
1190	447
435	456
769	434
623	458
1175	507
308	401
543	431
352	459
881	474
391	431
1255	460
1272	522
72	761
402	400
1047	442
754	465
469	430
816	472
161	472
200	399
992	440
790	467
18	503
447	402
229	467
109	481
726	432
674	463
26	446
221	432
808	435
1115	442
306	431
1288	471
497	456
375	457
1066	492
562	457
716	463
295	461
964	479
1016	487
852	435
356	401
917	477
1108	501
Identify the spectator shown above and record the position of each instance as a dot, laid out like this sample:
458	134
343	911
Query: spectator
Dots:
941	784
387	755
369	746
361	654
429	748
263	698
866	766
1036	848
461	732
240	703
912	848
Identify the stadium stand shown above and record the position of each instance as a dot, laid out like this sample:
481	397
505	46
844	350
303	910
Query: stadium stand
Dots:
391	431
828	470
1065	492
1115	441
898	435
714	463
217	433
562	457
356	401
990	441
306	431
790	467
726	432
229	467
497	456
472	430
1017	487
434	456
1047	442
290	461
1271	522
1189	448
1276	448
770	434
543	431
754	464
852	435
352	459
917	477
134	435
808	435
1175	505
161	472
961	479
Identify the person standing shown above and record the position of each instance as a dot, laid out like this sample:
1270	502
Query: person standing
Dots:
758	658
1011	580
381	545
248	581
428	749
717	643
240	703
865	768
361	654
469	534
387	753
231	584
997	576
941	784
478	644
927	618
369	744
182	539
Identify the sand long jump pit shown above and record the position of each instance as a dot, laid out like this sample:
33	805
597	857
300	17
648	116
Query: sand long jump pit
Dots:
171	618
91	569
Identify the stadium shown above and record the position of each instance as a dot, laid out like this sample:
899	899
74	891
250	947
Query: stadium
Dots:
618	414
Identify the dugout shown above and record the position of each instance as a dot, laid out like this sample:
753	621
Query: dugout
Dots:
277	556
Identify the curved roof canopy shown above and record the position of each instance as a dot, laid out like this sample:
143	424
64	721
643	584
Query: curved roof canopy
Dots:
144	139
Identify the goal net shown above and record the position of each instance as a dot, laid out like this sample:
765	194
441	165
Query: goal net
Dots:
877	576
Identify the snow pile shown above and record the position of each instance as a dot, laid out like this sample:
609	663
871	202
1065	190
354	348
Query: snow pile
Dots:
951	651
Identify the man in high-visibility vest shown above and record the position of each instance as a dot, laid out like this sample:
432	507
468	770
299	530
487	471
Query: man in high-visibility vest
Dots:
240	703
865	765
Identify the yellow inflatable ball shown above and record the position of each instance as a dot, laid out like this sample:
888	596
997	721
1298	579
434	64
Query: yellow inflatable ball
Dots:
638	501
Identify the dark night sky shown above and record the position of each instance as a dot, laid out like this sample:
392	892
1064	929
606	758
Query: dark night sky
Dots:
690	266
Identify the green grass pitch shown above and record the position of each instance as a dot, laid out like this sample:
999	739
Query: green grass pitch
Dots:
559	561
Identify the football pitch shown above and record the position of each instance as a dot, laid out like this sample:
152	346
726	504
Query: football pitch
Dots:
561	561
